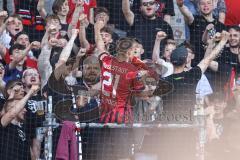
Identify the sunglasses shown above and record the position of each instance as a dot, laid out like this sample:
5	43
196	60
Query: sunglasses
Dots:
151	3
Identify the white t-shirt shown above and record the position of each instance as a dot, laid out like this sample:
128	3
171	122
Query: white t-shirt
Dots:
5	39
168	65
203	87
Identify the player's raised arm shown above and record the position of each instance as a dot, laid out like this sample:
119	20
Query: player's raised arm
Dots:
98	38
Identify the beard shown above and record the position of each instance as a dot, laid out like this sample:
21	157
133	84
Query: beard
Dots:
91	80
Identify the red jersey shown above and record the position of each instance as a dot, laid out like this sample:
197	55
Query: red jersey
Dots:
88	4
117	90
233	13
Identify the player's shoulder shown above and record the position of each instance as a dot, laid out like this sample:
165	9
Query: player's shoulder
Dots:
104	55
130	66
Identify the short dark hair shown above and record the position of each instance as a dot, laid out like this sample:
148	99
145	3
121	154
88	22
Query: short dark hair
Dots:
168	42
57	4
187	45
171	41
52	16
101	10
137	40
237	28
107	29
16	46
20	33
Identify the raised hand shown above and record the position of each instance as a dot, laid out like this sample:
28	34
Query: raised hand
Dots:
81	52
180	3
225	36
83	20
99	24
35	45
82	17
11	94
75	32
53	42
34	88
161	35
61	42
217	37
209	27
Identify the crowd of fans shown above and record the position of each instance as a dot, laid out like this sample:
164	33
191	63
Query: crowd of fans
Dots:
116	61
